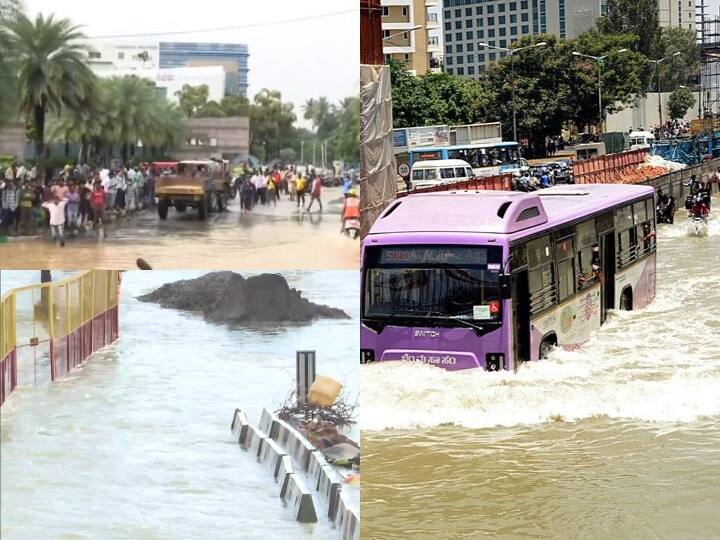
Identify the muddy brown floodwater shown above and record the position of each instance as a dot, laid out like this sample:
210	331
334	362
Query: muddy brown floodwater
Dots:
269	237
618	439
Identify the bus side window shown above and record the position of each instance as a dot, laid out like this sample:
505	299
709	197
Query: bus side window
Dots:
431	174
541	275
626	235
565	254
460	172
586	237
456	154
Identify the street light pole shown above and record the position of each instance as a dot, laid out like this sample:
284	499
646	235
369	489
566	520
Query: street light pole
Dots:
512	53
657	75
599	60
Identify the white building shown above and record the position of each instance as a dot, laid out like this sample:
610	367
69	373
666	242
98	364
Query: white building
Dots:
110	56
171	80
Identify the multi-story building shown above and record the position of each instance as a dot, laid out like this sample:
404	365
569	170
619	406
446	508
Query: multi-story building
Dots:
231	56
109	57
500	23
677	14
410	33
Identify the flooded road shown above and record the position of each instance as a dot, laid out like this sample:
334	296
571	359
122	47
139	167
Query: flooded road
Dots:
136	444
620	438
277	237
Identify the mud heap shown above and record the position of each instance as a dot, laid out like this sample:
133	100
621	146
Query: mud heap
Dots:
227	297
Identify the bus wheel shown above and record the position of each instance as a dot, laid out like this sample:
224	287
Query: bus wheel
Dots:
626	303
163	209
547	346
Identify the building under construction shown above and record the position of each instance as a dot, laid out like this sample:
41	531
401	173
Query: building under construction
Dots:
708	35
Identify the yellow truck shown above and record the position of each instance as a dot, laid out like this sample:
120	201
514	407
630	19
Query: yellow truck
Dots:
201	184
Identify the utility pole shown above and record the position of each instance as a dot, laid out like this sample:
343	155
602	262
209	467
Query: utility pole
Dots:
599	60
512	53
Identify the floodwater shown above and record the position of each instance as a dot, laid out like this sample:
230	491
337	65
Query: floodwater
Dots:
278	237
620	439
136	442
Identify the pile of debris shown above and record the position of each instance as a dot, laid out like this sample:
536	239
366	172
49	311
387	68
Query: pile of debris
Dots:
321	418
227	297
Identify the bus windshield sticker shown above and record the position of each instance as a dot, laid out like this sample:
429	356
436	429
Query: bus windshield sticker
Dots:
481	312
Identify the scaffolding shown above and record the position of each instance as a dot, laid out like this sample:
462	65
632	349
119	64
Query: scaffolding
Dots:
708	36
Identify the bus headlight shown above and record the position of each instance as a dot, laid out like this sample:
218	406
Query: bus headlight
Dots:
495	361
367	356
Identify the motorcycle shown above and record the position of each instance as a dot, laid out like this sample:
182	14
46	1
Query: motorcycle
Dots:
698	215
665	210
351	227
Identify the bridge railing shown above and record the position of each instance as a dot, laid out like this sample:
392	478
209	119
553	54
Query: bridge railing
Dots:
49	328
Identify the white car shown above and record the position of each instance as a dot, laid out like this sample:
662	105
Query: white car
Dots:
439	171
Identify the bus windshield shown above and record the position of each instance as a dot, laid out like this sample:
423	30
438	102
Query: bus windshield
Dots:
447	283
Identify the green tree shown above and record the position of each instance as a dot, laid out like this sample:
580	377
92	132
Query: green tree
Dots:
8	88
211	109
192	99
624	75
345	142
677	70
436	98
638	17
121	112
679	101
51	72
271	124
235	105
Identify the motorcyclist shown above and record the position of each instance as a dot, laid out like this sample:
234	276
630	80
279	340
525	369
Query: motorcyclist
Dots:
350	209
699	209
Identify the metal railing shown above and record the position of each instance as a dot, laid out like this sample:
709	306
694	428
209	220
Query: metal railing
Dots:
46	329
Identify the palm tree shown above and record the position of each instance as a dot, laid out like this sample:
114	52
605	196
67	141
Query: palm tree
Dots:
310	111
51	70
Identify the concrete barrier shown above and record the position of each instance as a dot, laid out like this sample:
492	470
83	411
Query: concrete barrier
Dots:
254	441
239	426
268	423
326	481
330	487
285	470
348	521
270	455
294	443
282	449
299	499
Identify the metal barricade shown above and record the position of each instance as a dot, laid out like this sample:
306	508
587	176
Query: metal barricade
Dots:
47	329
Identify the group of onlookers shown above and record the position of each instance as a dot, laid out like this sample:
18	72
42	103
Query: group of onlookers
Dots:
671	128
76	197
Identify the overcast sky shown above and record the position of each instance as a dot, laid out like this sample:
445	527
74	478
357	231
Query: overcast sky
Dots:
303	59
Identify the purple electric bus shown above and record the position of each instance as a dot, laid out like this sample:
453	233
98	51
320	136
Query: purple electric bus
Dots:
490	279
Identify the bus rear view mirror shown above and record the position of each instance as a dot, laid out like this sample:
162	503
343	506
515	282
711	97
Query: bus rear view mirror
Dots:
504	280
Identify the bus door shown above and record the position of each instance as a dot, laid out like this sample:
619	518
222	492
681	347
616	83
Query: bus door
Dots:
520	291
606	239
607	254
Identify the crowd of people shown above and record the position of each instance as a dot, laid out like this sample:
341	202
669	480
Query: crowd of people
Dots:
671	129
80	198
545	176
76	198
265	187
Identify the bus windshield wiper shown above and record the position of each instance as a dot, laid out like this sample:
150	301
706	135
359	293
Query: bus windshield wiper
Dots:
448	318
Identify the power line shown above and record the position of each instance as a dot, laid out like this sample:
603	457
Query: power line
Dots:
222	29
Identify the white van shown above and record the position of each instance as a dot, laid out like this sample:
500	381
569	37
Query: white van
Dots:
641	139
439	171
